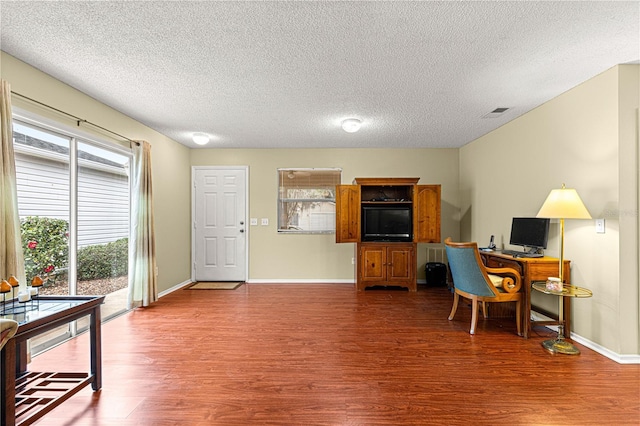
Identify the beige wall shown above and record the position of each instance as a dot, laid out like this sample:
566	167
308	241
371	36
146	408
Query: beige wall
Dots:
316	257
272	256
171	172
586	138
628	209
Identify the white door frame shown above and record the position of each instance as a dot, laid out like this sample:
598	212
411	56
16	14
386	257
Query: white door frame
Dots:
193	215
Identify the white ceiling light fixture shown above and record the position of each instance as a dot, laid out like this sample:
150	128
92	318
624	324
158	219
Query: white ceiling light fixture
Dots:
201	138
351	125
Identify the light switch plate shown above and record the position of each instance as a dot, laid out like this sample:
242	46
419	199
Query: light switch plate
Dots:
600	226
264	221
254	221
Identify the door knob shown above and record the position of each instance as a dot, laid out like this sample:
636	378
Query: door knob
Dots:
242	230
242	222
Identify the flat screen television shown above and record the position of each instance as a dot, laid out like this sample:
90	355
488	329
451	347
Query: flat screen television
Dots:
387	223
531	232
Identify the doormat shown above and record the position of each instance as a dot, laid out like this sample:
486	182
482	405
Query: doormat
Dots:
219	285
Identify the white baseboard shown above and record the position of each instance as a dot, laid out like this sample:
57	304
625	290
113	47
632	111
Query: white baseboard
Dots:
174	288
307	281
620	359
297	281
264	281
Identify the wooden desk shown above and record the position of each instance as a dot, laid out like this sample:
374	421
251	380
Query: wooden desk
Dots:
27	396
533	269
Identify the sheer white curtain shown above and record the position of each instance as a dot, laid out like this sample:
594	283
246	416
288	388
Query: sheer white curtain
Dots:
143	288
11	256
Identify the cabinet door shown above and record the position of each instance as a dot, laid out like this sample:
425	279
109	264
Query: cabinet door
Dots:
426	214
400	263
373	263
347	213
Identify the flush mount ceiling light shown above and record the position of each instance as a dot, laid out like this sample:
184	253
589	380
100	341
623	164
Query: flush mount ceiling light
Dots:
351	125
200	138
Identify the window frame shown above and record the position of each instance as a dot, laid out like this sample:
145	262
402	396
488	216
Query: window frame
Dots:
75	137
281	201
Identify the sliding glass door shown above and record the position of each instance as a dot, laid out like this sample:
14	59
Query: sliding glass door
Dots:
73	199
103	226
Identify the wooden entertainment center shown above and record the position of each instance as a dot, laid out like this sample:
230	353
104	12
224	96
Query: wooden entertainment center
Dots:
382	261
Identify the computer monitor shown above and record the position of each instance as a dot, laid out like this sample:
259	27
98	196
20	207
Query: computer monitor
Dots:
532	232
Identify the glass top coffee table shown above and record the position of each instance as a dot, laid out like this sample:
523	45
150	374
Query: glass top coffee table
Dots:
27	396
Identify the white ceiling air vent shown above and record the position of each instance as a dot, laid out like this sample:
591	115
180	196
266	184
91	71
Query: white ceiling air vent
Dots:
495	113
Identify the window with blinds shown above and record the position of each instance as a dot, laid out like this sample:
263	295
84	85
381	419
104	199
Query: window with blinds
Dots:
307	200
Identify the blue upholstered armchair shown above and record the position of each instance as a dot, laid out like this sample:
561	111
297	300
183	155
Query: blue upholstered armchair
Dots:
476	282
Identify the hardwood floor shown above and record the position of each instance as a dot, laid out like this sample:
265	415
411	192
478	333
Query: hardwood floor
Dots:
327	355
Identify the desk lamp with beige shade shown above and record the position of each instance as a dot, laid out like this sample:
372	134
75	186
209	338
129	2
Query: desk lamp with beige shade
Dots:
564	203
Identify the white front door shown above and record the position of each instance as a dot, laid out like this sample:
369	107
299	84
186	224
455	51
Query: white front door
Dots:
219	223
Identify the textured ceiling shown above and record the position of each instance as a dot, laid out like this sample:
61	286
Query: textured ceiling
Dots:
284	74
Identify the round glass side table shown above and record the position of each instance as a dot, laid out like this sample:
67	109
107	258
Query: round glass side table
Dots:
559	345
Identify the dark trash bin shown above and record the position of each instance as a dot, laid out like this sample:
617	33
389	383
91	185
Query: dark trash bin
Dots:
436	274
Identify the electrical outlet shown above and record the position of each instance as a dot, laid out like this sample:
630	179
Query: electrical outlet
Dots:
600	226
353	260
264	221
254	221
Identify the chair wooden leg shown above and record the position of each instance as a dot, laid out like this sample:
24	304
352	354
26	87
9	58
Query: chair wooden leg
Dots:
484	310
474	315
454	308
518	321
